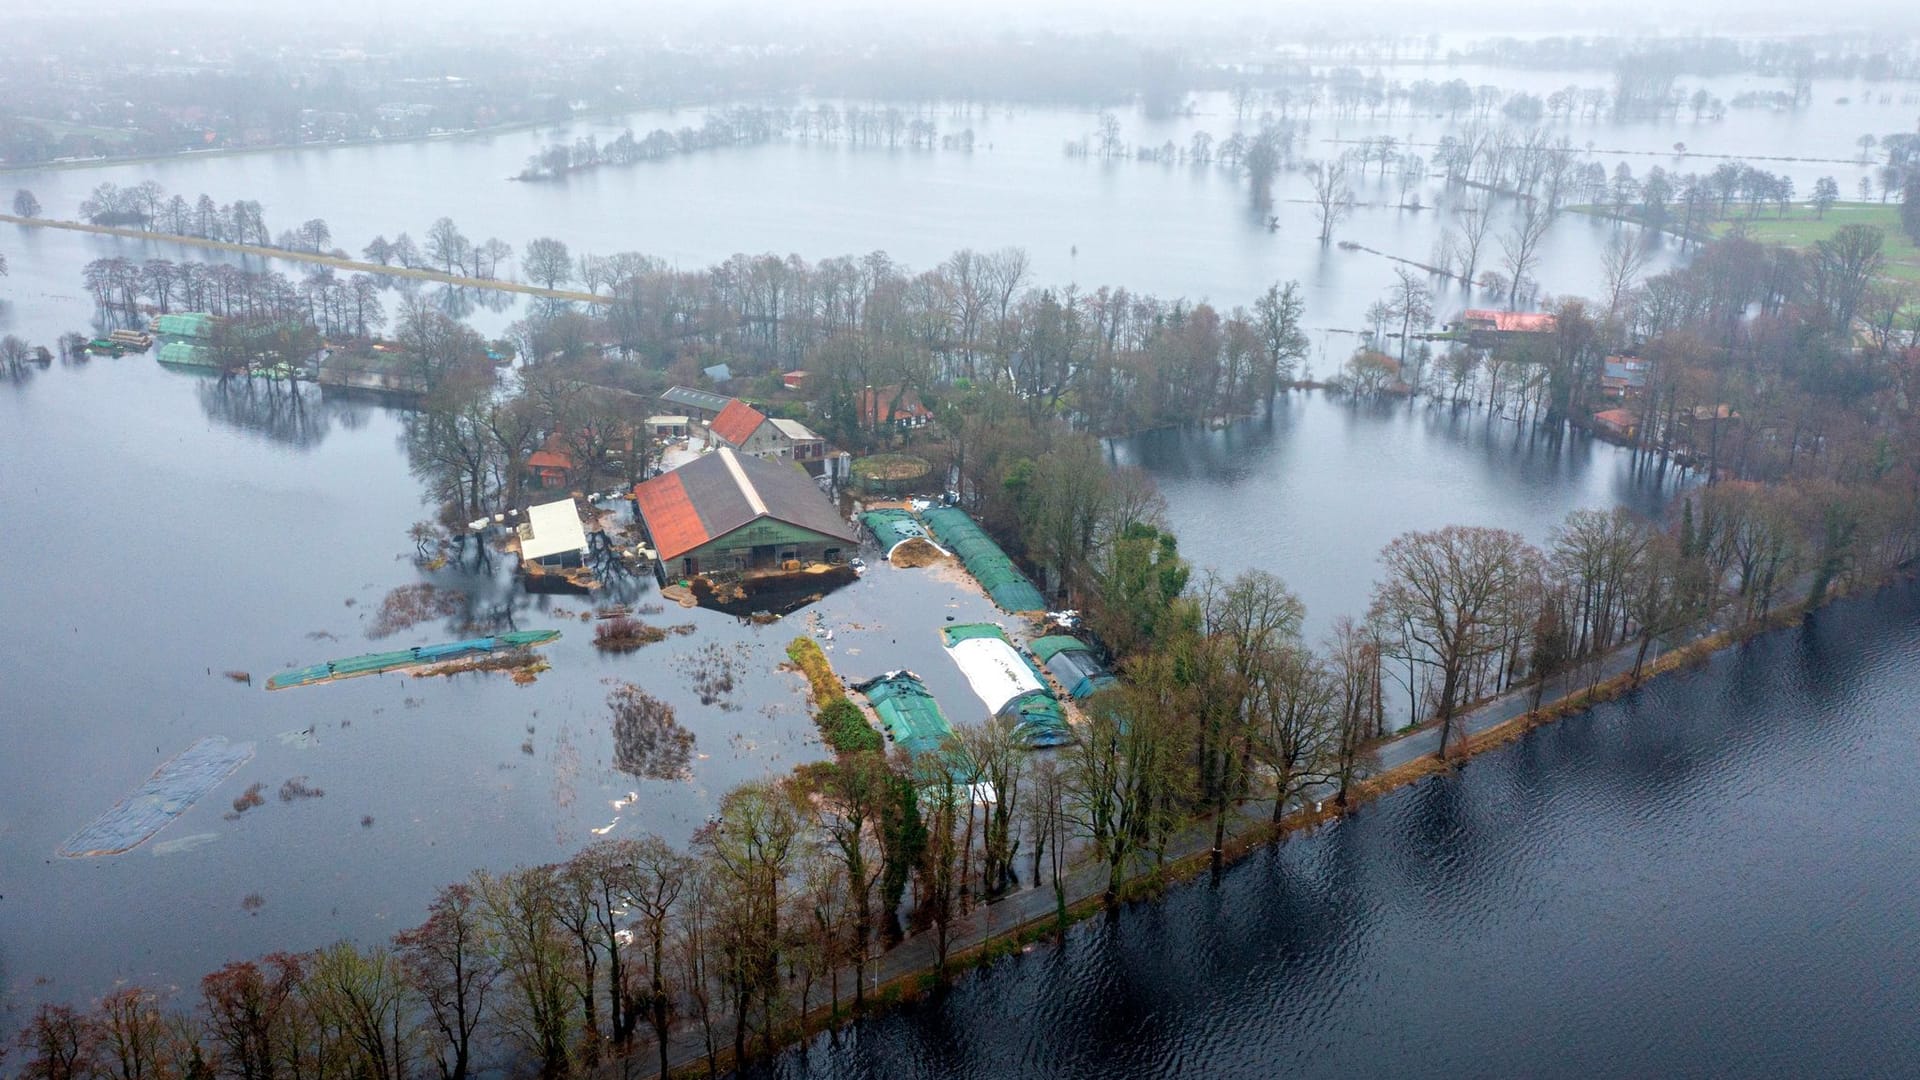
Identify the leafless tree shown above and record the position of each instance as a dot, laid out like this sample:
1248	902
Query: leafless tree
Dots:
1332	196
1520	247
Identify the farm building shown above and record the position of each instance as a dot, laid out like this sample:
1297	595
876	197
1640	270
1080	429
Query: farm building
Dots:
727	511
751	432
696	404
552	535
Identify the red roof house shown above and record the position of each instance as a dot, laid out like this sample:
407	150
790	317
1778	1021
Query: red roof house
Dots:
737	423
1507	322
895	405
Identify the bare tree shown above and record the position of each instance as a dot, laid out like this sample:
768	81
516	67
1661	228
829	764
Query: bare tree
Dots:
1332	196
1623	261
1411	302
1469	240
1520	247
548	262
1448	593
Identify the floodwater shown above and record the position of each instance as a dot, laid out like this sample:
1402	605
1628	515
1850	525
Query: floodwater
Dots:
1710	877
1173	230
161	531
1315	492
169	532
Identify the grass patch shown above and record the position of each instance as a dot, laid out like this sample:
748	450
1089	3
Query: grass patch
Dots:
806	655
1802	229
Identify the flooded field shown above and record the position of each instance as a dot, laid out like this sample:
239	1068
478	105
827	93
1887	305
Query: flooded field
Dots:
175	540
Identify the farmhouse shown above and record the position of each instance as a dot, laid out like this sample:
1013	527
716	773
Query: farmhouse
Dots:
726	511
748	430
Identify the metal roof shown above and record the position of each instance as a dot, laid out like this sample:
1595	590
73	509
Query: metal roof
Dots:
702	400
720	492
1512	322
551	529
797	431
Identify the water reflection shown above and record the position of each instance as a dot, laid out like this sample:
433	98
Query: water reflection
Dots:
292	414
1313	492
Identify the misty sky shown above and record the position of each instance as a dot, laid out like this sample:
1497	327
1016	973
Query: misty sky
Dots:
1455	19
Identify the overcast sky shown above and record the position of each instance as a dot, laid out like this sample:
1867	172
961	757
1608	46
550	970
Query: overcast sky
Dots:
1454	18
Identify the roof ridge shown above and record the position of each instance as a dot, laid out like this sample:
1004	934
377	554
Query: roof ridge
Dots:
747	490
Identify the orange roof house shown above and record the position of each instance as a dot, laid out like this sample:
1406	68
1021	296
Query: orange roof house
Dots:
892	405
550	465
729	511
1485	320
1615	422
737	423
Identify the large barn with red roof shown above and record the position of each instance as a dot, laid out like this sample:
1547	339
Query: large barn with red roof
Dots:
728	511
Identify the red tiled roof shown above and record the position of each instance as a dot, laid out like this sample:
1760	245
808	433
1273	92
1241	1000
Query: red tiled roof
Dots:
1615	418
718	493
1512	322
548	459
737	422
881	407
671	518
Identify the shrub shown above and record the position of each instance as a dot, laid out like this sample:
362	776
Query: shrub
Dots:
846	729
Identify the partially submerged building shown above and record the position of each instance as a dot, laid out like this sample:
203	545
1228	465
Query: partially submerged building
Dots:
726	511
1009	588
908	712
552	535
1007	682
1073	664
1485	327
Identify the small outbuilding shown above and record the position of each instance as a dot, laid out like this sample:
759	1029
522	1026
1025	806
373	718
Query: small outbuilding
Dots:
552	535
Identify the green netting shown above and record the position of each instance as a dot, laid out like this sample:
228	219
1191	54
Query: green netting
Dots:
1046	648
1037	719
376	663
908	712
966	630
185	355
1036	716
185	324
1073	663
989	565
893	527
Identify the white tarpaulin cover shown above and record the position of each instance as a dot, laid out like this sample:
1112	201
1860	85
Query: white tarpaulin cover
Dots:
551	529
994	670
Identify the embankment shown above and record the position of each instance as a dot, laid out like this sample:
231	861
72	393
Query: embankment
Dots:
316	258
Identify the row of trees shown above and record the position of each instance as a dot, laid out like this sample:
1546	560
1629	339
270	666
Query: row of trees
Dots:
338	306
146	205
445	249
740	126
